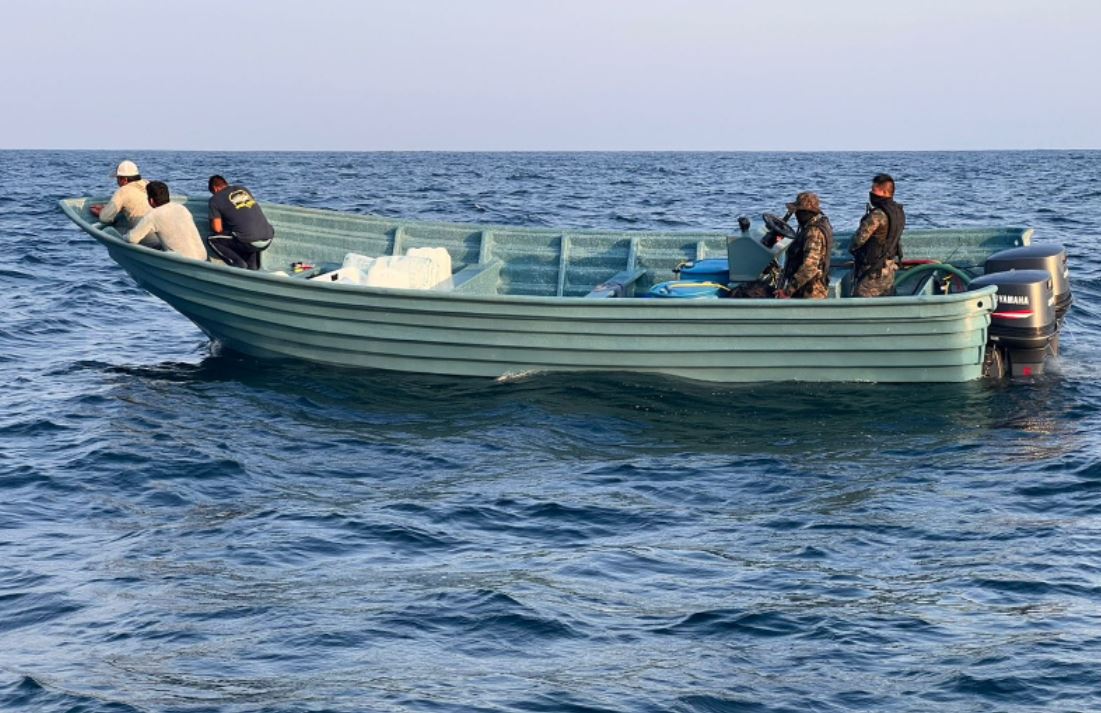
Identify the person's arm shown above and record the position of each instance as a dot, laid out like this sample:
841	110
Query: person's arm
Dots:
110	211
868	225
215	218
812	258
142	229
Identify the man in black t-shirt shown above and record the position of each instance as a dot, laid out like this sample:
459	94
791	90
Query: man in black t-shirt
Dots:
239	231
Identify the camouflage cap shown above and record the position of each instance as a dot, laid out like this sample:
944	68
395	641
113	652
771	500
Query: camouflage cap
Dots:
806	201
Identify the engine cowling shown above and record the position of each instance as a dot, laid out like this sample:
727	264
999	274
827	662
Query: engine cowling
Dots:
1023	324
1048	257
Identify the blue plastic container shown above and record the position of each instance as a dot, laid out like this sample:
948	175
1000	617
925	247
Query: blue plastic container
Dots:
714	269
679	289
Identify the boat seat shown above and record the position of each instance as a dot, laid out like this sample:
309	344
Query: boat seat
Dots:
478	279
748	258
621	284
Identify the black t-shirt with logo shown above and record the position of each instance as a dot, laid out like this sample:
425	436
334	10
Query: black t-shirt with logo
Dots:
241	215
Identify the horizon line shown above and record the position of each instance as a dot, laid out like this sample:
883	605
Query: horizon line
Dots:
560	151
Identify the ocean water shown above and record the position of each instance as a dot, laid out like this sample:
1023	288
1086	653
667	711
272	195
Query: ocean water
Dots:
189	531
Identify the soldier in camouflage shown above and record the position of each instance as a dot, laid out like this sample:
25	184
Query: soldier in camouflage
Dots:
877	244
807	265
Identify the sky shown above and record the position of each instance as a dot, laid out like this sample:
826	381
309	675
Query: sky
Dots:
555	75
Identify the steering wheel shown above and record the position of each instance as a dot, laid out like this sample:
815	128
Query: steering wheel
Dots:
777	225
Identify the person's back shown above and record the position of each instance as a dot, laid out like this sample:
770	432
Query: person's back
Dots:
241	215
171	223
239	230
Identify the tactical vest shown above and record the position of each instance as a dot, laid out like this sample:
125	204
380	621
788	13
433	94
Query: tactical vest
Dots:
885	243
798	250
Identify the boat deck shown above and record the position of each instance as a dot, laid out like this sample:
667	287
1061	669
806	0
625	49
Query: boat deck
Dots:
561	263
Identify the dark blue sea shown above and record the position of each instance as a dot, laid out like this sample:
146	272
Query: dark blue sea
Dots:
186	531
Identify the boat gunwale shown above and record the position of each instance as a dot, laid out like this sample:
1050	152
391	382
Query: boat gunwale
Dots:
1027	232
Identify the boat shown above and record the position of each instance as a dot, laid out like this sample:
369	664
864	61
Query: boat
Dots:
524	300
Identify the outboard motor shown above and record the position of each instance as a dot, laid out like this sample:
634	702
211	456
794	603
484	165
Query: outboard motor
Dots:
1023	328
1052	258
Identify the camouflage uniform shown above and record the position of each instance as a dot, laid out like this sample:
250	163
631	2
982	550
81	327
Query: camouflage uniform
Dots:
880	283
883	286
877	244
807	271
810	280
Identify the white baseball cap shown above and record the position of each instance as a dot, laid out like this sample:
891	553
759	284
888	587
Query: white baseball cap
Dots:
127	169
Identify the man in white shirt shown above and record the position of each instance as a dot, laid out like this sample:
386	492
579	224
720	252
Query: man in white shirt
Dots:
129	202
170	224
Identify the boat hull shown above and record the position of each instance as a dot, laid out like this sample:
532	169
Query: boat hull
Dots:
899	340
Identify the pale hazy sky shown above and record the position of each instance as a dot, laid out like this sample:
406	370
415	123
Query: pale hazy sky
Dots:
551	74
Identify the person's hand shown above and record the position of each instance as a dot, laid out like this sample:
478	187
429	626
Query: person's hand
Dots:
782	295
95	210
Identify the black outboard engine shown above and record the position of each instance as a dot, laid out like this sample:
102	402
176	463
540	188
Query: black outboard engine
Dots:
1023	327
1052	258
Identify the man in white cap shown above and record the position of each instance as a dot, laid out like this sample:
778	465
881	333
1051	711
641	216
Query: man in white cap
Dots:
130	200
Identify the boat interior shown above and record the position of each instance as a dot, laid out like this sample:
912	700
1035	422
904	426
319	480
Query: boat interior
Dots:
506	260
